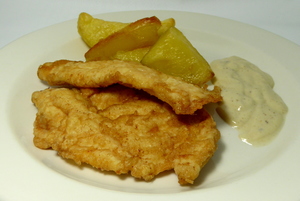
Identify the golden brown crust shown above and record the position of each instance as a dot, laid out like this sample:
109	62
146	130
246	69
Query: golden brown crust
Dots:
131	133
183	97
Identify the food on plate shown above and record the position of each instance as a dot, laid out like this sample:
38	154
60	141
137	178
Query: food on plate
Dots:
123	130
249	101
139	34
165	25
92	29
138	54
173	54
133	55
184	98
154	43
116	114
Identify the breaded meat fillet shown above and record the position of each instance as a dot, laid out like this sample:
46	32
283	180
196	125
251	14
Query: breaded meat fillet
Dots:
123	130
183	97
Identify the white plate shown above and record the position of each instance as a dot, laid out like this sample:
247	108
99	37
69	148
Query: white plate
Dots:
236	172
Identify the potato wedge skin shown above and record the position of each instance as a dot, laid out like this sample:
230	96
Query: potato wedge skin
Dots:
138	54
173	54
139	34
93	29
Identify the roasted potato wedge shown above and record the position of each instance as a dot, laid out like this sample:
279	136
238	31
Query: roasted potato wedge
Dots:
138	54
165	25
173	54
133	55
92	30
139	34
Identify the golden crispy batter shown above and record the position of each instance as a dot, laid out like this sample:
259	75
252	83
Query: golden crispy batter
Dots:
183	97
123	130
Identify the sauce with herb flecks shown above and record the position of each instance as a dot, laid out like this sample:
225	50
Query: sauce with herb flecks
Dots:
249	101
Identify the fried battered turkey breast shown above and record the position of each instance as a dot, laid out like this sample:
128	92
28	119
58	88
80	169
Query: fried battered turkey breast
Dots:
123	130
183	97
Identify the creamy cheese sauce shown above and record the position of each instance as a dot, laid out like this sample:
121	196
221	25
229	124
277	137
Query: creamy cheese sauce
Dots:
249	102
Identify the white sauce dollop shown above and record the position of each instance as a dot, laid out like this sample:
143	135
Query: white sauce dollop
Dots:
249	102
